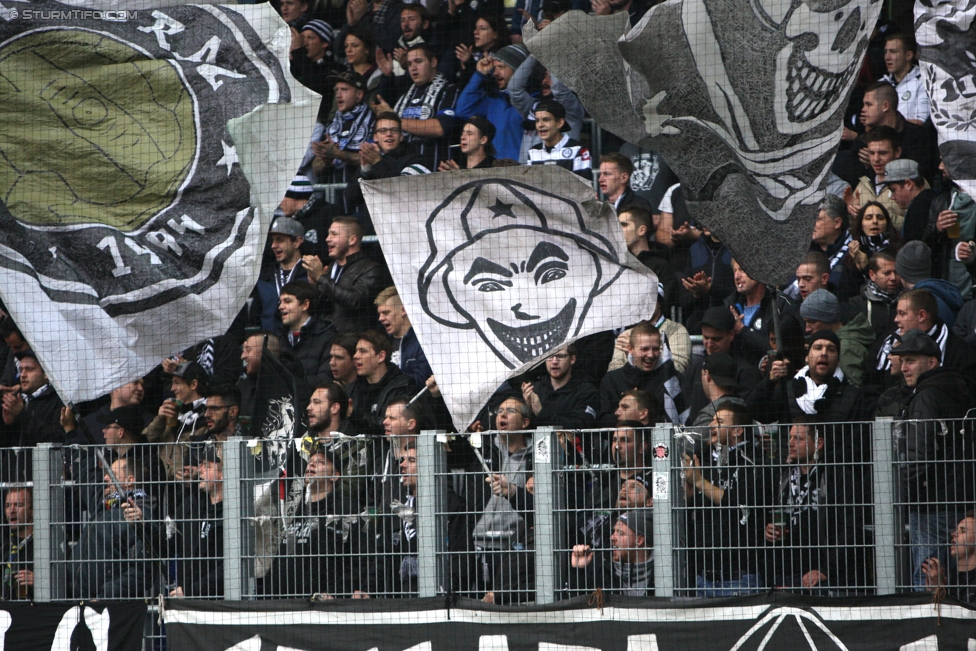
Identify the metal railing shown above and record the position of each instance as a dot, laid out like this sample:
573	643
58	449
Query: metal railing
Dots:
550	531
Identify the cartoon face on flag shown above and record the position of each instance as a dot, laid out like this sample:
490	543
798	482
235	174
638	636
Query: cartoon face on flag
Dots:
946	34
126	215
499	268
744	102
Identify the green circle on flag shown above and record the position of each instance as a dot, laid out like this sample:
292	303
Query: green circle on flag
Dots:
92	131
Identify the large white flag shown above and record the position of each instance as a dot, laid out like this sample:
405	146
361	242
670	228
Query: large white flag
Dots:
946	34
499	267
141	156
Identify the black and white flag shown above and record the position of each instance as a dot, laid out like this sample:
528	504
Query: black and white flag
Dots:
140	162
946	35
497	268
744	100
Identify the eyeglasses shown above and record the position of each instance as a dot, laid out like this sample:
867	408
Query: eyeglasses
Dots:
215	408
384	131
509	411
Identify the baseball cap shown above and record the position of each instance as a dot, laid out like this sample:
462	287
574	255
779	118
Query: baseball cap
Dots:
350	77
901	169
128	418
916	342
191	371
722	369
287	226
720	318
558	111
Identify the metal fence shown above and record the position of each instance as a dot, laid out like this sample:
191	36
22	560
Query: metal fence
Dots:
837	509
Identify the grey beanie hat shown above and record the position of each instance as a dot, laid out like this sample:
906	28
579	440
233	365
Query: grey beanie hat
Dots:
512	55
820	305
640	522
914	262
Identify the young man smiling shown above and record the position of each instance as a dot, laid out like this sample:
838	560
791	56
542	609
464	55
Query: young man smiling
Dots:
557	148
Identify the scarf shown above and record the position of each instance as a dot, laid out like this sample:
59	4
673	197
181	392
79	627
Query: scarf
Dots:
940	333
875	294
114	499
871	244
635	578
350	129
811	397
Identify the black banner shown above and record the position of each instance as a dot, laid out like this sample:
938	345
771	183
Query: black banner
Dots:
72	626
771	622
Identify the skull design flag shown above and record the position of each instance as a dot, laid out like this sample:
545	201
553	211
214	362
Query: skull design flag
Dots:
140	163
946	34
744	101
499	268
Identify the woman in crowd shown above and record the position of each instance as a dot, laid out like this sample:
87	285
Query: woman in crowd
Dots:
871	231
490	35
360	51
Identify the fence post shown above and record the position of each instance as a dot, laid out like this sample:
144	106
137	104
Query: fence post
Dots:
545	465
233	513
662	446
48	499
431	481
885	529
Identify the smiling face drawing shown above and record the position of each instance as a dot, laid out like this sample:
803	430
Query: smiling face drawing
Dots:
519	290
500	265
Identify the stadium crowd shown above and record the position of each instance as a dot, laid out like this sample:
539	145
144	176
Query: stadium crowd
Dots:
880	321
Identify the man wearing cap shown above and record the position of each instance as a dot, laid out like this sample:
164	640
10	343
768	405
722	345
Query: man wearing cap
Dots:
557	148
337	153
478	98
718	336
718	383
351	283
919	308
311	60
32	411
821	311
477	150
112	560
725	491
286	235
934	475
912	194
821	388
631	572
426	108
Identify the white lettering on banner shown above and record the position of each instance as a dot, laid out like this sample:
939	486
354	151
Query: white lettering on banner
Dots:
5	621
493	643
164	240
185	223
642	642
163	27
109	244
96	624
252	644
930	643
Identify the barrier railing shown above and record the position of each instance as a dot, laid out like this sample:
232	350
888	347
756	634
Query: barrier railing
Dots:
835	509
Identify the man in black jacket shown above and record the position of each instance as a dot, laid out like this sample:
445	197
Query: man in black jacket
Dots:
379	382
306	337
350	284
631	570
560	399
934	480
33	414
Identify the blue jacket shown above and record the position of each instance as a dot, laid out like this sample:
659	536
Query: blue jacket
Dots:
412	360
946	294
498	110
264	307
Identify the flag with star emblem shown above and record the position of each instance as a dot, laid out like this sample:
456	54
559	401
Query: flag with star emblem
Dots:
501	268
141	159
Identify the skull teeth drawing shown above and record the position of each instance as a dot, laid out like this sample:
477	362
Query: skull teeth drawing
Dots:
531	341
811	90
